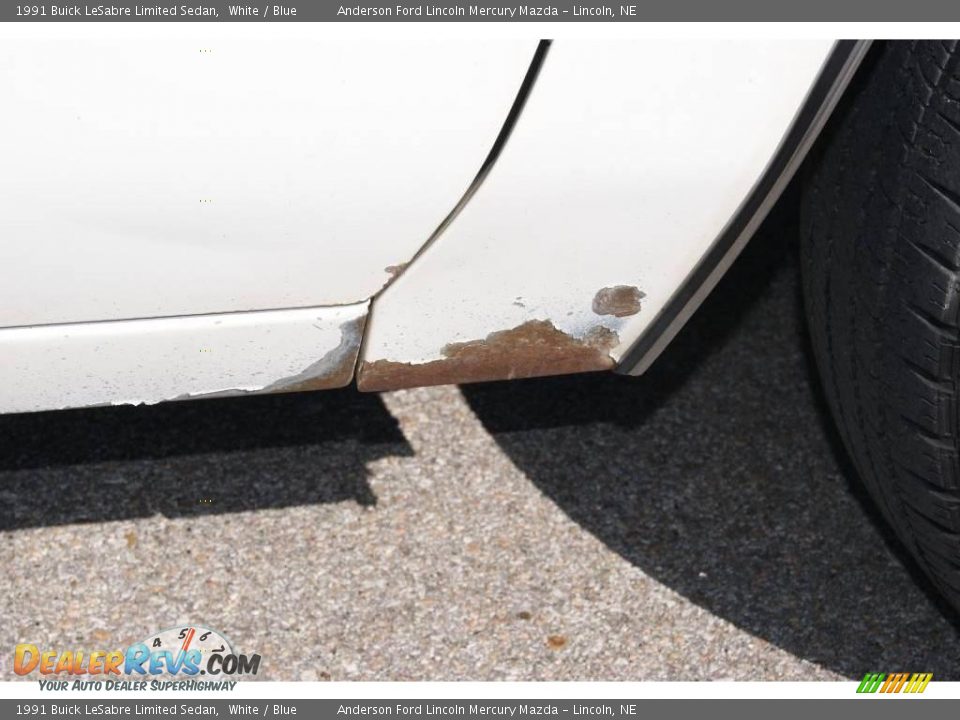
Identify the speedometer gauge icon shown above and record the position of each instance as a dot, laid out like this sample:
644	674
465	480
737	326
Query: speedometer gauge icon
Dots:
186	638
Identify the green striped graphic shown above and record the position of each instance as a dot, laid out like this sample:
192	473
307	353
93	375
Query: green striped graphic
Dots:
871	682
894	683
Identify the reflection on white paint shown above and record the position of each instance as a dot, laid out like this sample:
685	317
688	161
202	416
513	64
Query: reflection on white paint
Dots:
162	169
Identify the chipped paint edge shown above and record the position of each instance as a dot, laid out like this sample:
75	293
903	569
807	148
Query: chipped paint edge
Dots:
535	348
580	338
334	370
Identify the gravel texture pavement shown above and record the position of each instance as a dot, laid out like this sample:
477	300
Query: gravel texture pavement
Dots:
700	522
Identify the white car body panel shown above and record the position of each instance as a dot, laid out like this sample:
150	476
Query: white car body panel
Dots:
626	164
154	170
120	283
147	361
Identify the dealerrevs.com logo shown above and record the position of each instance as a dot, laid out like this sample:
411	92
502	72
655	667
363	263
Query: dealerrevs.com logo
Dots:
888	683
180	652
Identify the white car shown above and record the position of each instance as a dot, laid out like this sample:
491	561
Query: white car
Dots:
195	211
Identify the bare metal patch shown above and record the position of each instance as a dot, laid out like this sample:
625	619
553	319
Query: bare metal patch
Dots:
619	300
334	370
532	349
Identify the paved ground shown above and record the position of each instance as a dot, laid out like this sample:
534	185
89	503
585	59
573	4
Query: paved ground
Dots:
696	523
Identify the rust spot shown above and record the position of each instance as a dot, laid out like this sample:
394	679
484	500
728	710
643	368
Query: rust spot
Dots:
394	270
619	300
532	349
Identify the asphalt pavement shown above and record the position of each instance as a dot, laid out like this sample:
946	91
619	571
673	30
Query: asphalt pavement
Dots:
701	522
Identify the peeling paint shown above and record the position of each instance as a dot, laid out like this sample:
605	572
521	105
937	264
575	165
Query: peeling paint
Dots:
532	349
618	300
334	370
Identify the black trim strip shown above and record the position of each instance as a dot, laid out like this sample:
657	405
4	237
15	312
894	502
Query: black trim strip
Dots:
533	70
539	55
833	78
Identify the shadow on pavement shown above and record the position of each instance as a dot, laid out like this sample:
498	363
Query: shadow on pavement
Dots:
191	458
717	474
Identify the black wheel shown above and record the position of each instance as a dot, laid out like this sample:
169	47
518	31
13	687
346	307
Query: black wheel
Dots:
880	227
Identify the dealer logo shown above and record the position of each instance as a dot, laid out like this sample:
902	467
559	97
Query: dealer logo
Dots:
178	651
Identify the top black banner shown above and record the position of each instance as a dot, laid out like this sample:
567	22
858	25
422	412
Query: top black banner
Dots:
443	11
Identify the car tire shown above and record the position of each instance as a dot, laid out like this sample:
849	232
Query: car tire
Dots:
880	248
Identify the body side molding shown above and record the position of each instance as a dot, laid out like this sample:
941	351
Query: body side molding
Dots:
810	120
